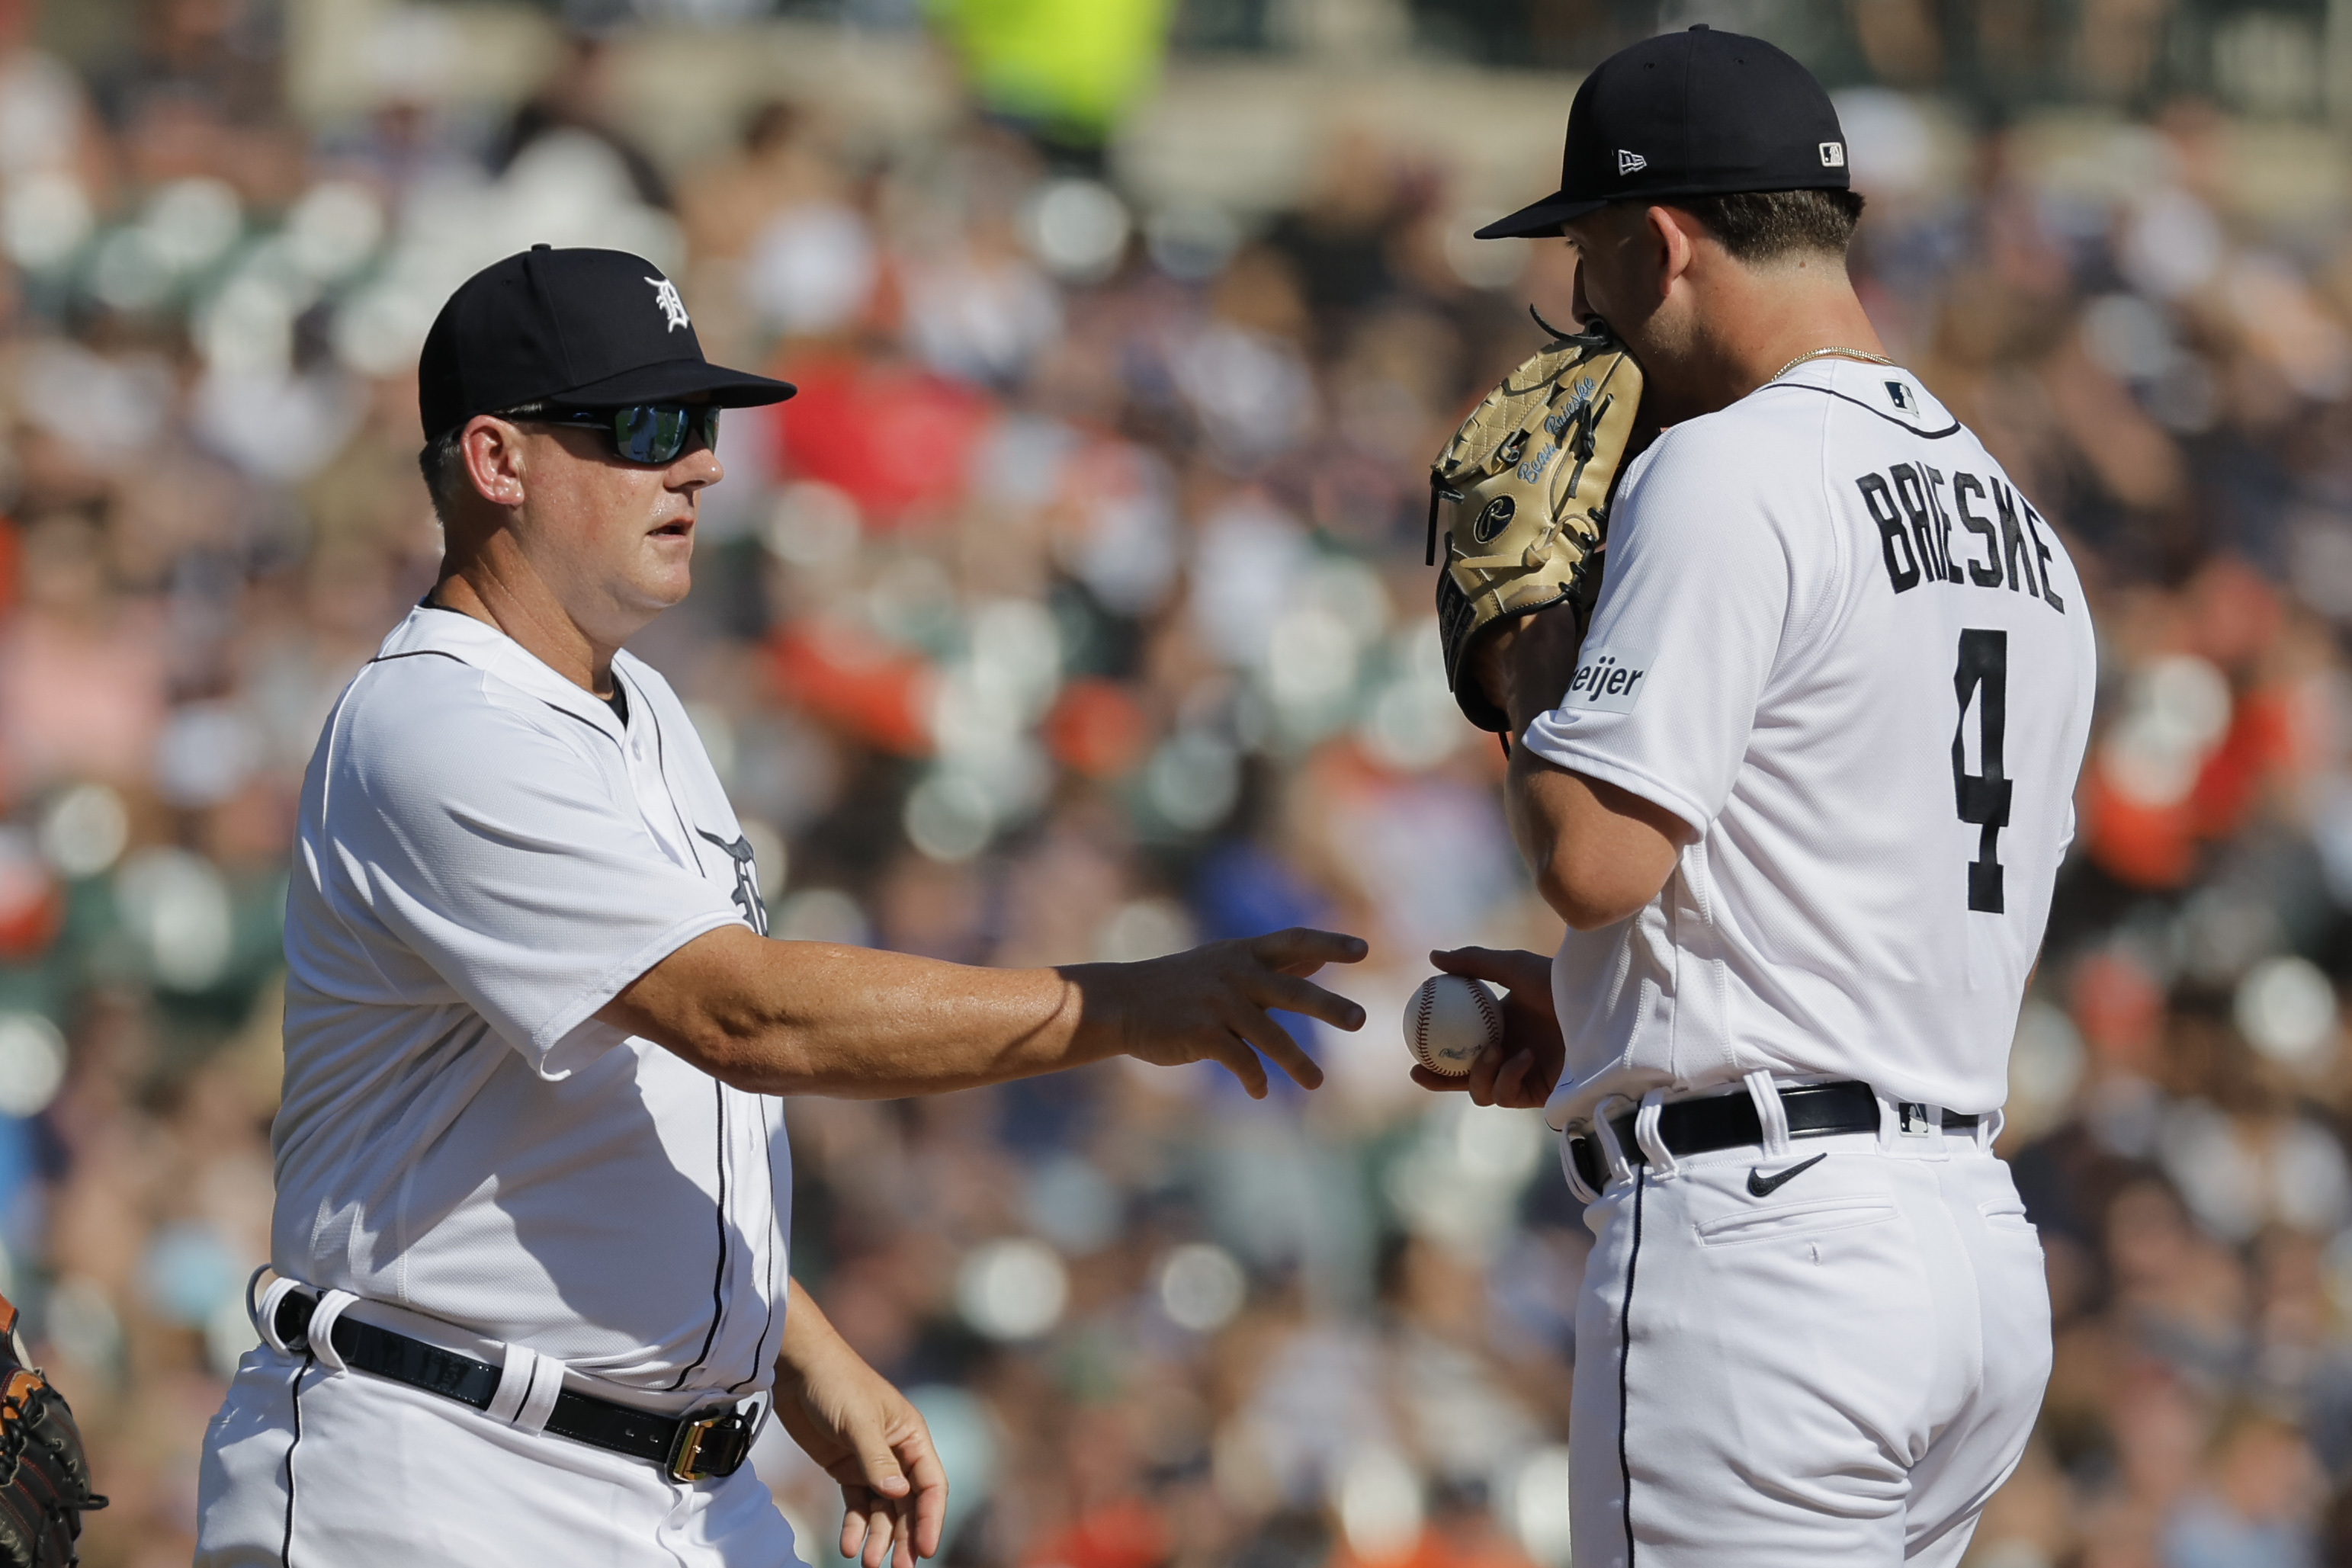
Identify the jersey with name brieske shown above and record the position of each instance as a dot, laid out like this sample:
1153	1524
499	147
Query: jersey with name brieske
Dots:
486	855
1837	642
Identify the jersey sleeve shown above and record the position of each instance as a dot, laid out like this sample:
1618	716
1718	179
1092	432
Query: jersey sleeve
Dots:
1694	601
498	854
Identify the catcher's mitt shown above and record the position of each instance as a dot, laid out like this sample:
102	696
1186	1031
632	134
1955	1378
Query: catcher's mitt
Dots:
44	1475
1523	489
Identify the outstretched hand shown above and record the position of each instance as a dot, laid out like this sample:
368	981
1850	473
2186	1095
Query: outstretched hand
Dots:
1211	1004
1523	1070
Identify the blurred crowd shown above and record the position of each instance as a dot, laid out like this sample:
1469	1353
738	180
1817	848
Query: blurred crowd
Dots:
1076	608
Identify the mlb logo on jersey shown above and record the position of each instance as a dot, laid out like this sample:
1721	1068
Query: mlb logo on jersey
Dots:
1609	679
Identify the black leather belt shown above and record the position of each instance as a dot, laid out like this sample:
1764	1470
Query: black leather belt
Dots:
690	1448
1728	1121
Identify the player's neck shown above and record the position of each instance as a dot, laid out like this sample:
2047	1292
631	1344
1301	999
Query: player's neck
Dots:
1757	321
505	594
1806	304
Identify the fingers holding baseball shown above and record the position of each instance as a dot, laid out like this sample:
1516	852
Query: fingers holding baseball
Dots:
1524	977
1505	1051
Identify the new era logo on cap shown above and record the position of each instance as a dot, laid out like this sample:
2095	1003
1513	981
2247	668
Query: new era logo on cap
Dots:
1832	154
1627	163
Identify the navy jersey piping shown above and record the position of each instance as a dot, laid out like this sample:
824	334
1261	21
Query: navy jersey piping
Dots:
717	1274
661	765
775	1297
1625	1362
1951	429
286	1543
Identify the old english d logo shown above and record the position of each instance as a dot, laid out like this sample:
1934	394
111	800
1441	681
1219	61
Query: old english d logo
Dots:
1494	520
673	316
747	880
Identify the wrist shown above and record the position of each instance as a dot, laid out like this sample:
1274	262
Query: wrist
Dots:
1095	1011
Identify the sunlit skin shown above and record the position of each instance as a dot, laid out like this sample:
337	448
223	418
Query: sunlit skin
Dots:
1706	330
570	551
564	546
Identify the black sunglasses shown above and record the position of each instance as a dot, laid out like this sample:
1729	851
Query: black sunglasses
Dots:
652	433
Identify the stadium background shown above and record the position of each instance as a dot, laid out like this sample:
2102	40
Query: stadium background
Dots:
1075	608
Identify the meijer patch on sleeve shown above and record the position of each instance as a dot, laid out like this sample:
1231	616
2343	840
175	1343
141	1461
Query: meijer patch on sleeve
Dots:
1609	679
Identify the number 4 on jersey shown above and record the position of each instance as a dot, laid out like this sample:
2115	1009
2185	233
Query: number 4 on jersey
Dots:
1983	798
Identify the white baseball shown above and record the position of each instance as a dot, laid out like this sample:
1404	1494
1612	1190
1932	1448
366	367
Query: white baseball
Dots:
1449	1022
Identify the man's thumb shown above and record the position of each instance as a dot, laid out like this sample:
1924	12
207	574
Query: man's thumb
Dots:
882	1472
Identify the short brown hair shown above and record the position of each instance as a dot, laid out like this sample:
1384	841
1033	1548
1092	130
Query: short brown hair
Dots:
1759	227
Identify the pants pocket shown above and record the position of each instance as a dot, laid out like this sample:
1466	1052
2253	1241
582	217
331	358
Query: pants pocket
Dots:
1781	1221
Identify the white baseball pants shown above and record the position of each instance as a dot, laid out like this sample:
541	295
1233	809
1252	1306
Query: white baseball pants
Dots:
305	1467
1842	1371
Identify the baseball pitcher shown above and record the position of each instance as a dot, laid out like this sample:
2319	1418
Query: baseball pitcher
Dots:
1799	792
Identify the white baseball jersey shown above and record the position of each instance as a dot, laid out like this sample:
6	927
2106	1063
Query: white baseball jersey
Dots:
486	855
1834	640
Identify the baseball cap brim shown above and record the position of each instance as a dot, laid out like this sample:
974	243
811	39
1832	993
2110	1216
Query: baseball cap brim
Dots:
672	381
1544	217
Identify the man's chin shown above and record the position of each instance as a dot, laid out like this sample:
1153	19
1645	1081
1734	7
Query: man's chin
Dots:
653	592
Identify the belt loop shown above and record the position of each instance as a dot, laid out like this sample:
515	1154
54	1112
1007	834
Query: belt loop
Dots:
264	1313
1646	1132
1619	1168
1989	1126
528	1384
1771	1114
1576	1182
321	1335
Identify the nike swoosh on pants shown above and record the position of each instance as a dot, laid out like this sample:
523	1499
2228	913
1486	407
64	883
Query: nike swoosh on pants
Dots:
1764	1186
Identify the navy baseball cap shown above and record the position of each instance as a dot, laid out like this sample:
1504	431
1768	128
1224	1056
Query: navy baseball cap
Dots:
1700	113
578	329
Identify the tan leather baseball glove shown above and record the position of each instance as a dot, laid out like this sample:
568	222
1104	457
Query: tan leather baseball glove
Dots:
1522	492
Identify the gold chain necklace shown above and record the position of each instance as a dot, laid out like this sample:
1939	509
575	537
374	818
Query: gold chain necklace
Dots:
1825	353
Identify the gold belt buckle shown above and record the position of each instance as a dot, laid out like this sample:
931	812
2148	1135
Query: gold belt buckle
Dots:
711	1446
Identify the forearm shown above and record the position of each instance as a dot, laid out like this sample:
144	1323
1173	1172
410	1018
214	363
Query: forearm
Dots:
1526	673
1596	853
810	1339
814	1017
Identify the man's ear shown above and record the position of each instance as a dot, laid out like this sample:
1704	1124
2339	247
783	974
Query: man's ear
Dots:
494	459
1673	236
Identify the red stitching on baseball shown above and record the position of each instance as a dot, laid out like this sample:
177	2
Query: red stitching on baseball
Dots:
1420	1025
1487	1009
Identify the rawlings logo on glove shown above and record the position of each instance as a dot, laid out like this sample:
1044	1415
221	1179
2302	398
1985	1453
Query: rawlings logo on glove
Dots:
1523	490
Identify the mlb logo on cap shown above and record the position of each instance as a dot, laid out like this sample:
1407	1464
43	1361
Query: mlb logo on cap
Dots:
1832	154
